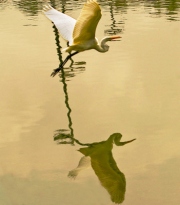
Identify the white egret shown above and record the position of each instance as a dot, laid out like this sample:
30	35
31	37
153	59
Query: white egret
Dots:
99	156
81	33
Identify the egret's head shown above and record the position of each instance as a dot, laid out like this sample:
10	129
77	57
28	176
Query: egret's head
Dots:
108	38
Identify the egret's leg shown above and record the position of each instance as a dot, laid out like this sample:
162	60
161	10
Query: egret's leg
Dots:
63	63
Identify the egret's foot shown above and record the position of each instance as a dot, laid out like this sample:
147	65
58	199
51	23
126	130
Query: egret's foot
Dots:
56	71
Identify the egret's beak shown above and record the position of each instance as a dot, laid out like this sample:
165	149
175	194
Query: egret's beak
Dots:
112	38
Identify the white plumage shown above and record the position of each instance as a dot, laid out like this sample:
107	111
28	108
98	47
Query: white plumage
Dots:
64	23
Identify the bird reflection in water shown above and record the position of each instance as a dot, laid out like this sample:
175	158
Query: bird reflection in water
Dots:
99	156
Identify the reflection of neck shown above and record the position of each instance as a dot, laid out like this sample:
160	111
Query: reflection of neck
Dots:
116	138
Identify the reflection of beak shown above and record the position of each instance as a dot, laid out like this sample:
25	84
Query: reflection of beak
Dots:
123	143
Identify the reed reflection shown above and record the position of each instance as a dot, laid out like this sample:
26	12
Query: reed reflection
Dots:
115	27
63	132
99	156
65	74
168	8
30	8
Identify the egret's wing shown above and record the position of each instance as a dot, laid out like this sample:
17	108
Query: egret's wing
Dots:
111	178
64	23
86	24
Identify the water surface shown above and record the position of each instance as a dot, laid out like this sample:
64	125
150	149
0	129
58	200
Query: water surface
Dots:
133	89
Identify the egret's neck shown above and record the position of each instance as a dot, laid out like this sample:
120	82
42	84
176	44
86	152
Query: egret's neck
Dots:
102	47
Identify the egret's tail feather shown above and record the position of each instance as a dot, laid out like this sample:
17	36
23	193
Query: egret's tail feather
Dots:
64	49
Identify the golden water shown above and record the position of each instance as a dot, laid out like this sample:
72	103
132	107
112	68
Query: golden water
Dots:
132	89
